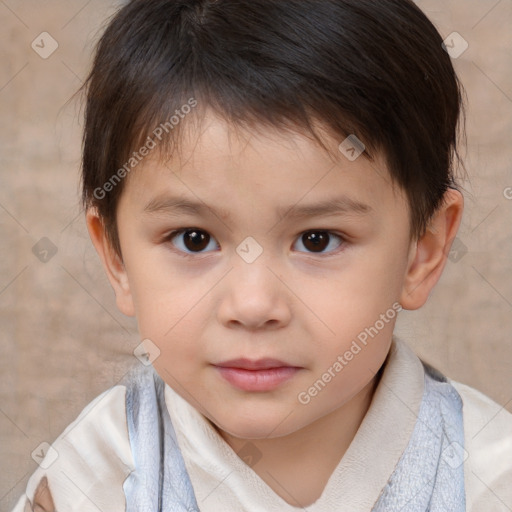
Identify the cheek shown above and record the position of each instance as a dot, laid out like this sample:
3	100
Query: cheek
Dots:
355	297
173	313
358	310
161	294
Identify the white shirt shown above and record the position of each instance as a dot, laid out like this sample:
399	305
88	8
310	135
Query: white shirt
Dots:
94	455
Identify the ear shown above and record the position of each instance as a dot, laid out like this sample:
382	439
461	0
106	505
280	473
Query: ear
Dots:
428	255
112	263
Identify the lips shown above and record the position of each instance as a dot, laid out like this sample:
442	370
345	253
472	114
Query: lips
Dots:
248	364
256	375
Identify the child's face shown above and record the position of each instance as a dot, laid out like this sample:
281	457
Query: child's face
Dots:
301	301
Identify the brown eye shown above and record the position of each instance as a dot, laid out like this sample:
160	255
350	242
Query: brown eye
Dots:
195	240
190	240
318	241
315	241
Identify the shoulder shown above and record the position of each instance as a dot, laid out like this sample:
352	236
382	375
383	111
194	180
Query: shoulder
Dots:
85	467
488	445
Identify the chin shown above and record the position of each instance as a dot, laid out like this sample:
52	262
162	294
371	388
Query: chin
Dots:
257	426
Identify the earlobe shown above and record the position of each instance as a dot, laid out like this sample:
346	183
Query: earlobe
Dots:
429	254
112	263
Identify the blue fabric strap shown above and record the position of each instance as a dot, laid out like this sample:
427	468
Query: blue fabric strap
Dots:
430	474
160	482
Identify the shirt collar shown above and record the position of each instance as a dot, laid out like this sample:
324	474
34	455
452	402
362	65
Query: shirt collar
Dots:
222	481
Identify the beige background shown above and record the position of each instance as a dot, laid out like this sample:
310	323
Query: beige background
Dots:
63	340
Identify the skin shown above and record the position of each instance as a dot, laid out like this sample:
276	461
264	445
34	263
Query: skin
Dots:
292	303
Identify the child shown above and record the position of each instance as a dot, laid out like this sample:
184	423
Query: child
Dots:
268	183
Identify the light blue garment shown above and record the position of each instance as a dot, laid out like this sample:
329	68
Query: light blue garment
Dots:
160	482
430	474
428	477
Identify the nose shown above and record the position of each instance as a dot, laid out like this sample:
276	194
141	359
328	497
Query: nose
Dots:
254	298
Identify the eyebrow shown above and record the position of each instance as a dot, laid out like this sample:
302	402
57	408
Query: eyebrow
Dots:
342	205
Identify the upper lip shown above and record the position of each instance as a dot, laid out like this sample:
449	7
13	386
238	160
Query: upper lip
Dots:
249	364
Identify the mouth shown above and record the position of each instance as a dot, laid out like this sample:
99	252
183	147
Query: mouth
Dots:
243	363
256	375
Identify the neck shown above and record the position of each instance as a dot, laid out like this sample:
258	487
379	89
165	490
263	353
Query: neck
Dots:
297	466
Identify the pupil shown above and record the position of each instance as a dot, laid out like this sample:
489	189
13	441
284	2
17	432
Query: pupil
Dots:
197	239
318	240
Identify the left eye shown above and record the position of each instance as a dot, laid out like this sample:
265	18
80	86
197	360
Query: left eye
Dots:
198	241
318	241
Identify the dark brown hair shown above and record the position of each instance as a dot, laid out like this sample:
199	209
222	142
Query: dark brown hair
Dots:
372	68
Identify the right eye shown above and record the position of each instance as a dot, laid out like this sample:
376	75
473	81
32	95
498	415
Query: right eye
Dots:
190	240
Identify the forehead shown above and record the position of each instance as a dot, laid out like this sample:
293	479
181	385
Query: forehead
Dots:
226	168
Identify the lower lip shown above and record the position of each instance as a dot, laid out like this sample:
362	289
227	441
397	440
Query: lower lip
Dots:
257	380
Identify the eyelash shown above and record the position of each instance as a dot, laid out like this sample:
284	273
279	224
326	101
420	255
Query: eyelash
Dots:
193	255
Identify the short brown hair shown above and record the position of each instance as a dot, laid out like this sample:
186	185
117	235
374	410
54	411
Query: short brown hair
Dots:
372	68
